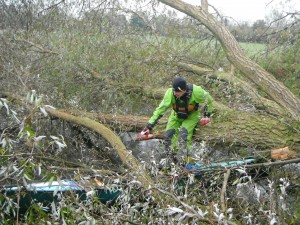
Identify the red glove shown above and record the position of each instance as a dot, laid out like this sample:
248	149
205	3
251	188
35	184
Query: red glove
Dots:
205	121
145	131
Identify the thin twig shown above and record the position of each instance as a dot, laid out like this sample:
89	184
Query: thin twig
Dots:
223	190
40	48
277	163
184	205
266	164
102	172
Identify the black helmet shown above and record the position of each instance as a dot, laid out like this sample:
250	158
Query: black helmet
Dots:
179	84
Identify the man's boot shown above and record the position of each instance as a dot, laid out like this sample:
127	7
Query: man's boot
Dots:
182	153
169	152
166	161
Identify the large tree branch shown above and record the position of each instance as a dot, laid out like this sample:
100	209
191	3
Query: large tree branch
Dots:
126	157
274	88
260	102
228	127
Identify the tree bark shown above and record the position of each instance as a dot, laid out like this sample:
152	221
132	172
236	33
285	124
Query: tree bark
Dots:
228	127
252	130
260	102
274	88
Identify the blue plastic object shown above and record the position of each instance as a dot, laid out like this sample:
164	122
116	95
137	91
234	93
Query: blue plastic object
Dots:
198	167
45	193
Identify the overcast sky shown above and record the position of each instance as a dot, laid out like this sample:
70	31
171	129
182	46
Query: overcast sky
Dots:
245	10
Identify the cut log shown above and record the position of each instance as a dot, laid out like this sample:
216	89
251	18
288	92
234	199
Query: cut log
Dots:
283	154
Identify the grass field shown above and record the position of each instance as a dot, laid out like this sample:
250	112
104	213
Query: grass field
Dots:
252	49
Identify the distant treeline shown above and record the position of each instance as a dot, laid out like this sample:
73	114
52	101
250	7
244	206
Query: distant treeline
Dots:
27	15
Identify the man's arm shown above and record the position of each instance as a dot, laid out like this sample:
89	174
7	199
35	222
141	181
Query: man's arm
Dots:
203	97
163	106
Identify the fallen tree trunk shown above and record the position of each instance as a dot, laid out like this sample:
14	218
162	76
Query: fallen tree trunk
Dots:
252	130
227	128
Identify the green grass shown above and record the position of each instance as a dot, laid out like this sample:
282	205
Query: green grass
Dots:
252	49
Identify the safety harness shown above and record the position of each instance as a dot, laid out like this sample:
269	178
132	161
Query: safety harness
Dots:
182	106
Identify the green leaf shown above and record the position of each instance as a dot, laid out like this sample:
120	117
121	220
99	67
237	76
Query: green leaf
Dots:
27	176
52	178
38	102
29	131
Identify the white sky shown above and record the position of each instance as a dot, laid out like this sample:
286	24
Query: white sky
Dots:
246	10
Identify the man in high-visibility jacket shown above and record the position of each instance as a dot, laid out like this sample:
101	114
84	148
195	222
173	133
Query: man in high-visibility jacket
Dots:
185	99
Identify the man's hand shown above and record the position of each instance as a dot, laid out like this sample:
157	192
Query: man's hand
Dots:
205	120
145	131
149	126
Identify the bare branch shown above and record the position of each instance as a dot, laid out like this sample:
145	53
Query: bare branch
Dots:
223	190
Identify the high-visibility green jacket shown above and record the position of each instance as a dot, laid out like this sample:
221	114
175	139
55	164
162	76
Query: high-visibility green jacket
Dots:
198	96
